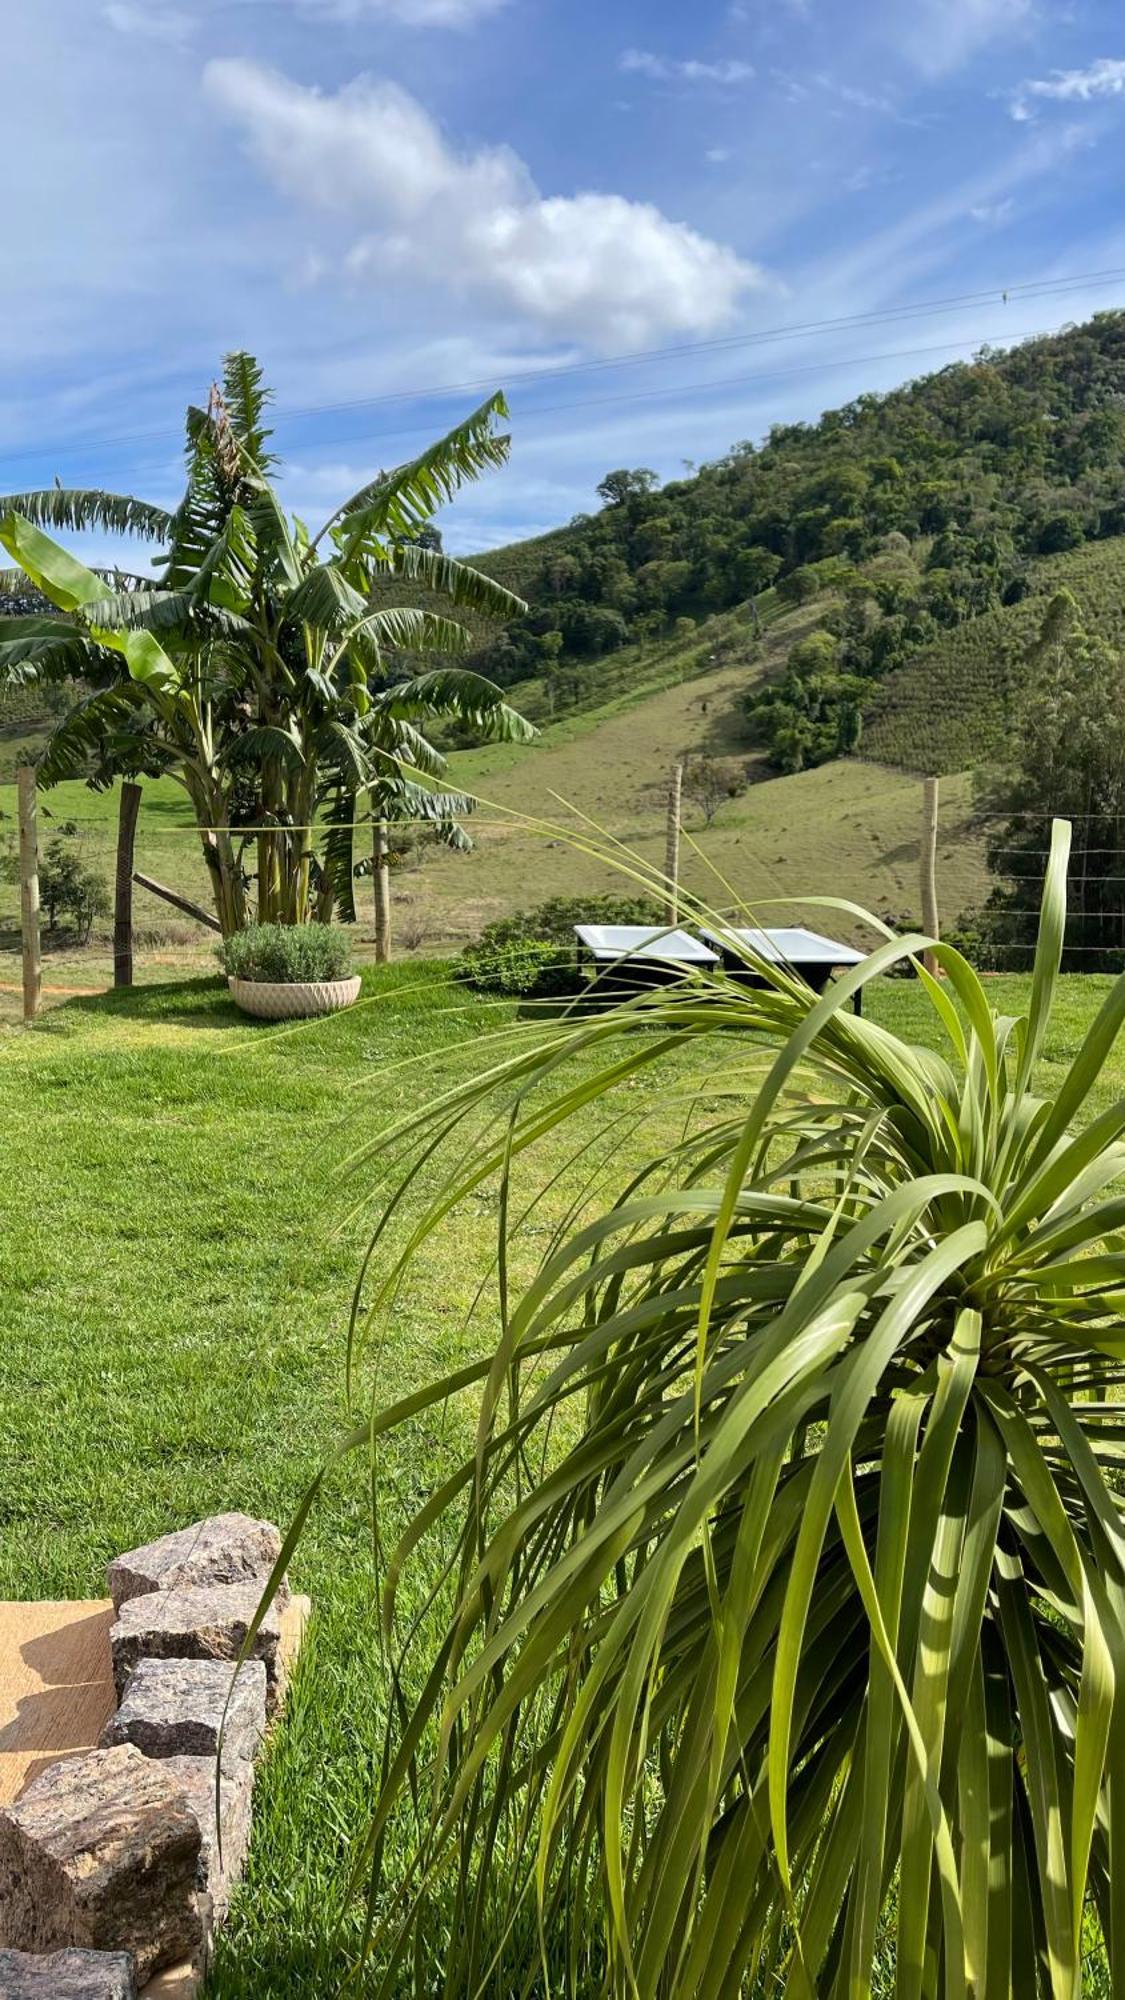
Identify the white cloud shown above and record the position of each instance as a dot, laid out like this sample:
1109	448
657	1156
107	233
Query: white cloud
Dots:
595	267
662	69
799	89
992	214
154	22
1104	78
938	36
862	100
411	13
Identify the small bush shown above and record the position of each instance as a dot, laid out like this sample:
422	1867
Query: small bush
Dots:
68	888
532	952
286	954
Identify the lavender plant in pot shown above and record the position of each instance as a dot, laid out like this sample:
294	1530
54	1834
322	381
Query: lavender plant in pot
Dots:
289	972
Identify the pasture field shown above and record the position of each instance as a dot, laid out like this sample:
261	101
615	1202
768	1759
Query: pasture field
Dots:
847	829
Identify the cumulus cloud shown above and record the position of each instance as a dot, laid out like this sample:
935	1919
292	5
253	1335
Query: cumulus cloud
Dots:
663	69
595	267
1104	78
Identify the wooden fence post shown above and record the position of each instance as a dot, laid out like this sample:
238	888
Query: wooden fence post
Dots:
381	884
672	849
931	919
128	809
29	892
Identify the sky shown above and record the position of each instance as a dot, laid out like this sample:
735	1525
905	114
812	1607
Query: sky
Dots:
659	229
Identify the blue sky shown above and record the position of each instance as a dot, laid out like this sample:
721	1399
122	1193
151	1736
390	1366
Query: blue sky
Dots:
389	199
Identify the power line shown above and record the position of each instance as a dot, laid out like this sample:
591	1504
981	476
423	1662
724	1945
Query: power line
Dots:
724	382
1024	292
1046	288
701	390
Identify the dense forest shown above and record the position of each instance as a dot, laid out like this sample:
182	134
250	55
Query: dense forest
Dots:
910	513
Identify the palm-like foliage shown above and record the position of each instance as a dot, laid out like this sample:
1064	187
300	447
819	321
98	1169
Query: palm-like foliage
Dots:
787	1622
258	670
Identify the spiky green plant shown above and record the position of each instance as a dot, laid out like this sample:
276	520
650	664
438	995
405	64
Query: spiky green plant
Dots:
263	668
786	1614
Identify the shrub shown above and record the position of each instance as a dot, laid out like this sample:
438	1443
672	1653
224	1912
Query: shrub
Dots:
286	954
69	888
779	1602
532	952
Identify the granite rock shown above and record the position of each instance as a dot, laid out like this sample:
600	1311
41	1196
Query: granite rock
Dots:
67	1975
102	1853
226	1548
225	1841
176	1708
196	1624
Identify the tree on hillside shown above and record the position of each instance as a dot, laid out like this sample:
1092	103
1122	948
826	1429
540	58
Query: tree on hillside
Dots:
623	489
813	712
265	667
709	782
1066	757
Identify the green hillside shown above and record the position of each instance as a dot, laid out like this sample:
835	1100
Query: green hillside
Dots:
876	574
951	704
934	506
518	564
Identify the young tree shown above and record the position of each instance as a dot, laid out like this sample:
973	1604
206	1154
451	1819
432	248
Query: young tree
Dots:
68	887
1066	757
800	586
264	670
709	783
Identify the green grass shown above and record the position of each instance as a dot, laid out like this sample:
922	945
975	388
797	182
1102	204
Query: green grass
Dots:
176	1290
951	705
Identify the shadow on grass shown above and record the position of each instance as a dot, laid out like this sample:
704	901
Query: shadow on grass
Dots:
52	944
189	1003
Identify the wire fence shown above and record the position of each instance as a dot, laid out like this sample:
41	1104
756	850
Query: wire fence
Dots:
441	900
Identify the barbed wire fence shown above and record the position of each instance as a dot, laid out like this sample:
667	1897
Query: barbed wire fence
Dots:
152	877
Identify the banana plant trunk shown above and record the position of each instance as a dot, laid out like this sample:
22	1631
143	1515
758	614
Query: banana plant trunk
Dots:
212	821
381	884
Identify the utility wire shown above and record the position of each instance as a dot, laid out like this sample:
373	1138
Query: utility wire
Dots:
681	392
1022	293
723	382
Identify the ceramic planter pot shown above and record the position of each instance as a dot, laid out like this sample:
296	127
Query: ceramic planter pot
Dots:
300	1001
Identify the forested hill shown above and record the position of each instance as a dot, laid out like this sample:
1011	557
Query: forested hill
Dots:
976	472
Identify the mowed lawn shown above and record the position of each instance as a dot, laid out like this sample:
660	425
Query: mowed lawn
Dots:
177	1261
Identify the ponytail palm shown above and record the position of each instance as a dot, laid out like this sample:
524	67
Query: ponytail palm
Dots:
264	668
783	1641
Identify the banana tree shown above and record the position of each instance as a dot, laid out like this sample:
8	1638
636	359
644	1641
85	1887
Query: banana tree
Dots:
262	666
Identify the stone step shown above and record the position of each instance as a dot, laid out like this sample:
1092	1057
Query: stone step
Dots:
177	1708
225	1840
205	1623
226	1548
102	1852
